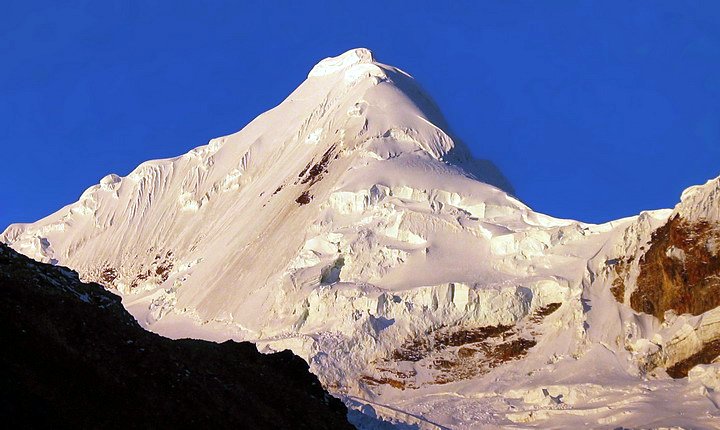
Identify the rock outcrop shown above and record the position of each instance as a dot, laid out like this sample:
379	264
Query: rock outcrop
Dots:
681	269
674	275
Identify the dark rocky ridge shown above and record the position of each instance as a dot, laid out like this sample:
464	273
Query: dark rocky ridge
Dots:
73	357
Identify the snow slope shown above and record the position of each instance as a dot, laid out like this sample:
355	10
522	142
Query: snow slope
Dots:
350	226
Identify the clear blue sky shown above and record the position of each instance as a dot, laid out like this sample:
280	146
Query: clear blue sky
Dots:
594	110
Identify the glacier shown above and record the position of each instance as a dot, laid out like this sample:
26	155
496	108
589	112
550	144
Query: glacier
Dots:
349	225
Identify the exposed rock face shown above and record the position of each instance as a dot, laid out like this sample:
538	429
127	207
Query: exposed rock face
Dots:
707	354
676	269
73	357
681	269
451	354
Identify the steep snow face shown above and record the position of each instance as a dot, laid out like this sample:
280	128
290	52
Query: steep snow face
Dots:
348	225
343	170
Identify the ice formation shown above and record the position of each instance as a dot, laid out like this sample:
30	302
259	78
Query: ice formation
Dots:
349	225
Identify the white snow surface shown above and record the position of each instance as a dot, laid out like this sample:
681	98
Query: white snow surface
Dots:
401	235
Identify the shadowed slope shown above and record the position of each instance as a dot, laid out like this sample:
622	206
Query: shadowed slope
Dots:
72	356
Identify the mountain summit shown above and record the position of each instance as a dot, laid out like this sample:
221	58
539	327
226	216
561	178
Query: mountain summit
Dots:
349	225
342	62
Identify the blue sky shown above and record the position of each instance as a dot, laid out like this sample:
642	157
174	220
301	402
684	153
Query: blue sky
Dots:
594	110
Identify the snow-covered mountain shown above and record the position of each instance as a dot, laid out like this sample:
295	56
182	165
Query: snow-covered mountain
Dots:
350	226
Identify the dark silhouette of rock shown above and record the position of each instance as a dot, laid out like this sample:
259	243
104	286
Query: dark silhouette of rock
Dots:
73	357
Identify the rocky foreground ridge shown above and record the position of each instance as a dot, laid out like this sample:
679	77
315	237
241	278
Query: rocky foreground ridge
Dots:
72	357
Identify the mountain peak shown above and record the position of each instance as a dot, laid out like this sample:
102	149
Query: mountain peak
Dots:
341	62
